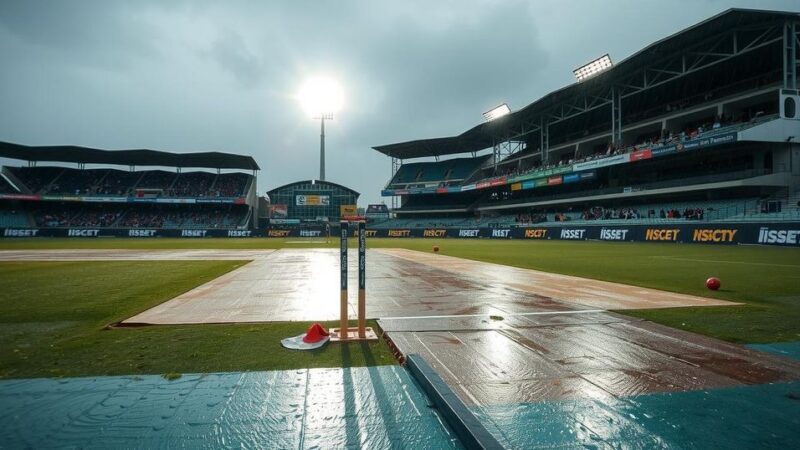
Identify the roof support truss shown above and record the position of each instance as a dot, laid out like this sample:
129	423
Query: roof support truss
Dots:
660	65
791	43
715	50
505	149
579	105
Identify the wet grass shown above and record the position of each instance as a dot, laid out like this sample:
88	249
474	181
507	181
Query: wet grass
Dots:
53	318
765	279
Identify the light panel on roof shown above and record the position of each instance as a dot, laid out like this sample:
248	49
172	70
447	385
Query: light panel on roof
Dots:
593	68
497	112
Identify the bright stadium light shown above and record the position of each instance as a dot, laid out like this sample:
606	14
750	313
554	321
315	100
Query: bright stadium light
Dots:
320	98
593	68
496	112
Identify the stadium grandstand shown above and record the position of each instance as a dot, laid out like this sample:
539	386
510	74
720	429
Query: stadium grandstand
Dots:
104	200
701	126
311	202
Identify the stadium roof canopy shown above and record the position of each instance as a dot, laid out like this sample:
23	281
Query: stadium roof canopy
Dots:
138	157
487	134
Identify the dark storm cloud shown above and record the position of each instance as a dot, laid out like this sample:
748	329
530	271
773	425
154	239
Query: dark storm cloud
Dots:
233	54
444	78
109	34
203	75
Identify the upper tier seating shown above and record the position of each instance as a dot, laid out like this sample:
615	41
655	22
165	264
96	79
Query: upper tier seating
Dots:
451	170
192	184
230	185
673	212
157	179
704	131
113	182
118	182
76	182
36	178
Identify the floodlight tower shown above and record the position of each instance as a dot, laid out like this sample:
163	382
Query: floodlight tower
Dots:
322	118
321	98
593	68
494	114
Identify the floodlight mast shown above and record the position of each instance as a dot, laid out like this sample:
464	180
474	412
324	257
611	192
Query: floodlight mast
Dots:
322	118
321	97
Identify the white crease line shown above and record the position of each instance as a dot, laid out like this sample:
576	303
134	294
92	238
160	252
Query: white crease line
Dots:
541	313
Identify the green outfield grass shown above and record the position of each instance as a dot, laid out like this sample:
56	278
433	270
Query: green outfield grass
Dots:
53	318
765	279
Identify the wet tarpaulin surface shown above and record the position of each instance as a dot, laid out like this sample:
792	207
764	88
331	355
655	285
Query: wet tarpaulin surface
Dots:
592	355
787	349
372	407
759	416
602	380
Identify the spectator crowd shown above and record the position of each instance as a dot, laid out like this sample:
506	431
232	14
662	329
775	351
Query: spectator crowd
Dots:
94	182
140	216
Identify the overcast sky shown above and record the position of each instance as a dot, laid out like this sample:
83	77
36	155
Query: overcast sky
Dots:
223	76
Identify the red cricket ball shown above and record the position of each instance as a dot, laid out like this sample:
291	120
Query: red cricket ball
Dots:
713	283
435	249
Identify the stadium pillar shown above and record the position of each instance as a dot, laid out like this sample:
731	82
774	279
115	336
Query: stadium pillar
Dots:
544	139
495	156
790	36
616	116
396	163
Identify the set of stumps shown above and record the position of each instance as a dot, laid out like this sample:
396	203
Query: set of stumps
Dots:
345	332
470	431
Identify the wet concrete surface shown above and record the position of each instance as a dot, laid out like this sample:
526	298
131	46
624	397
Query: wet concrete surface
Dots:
302	285
564	288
